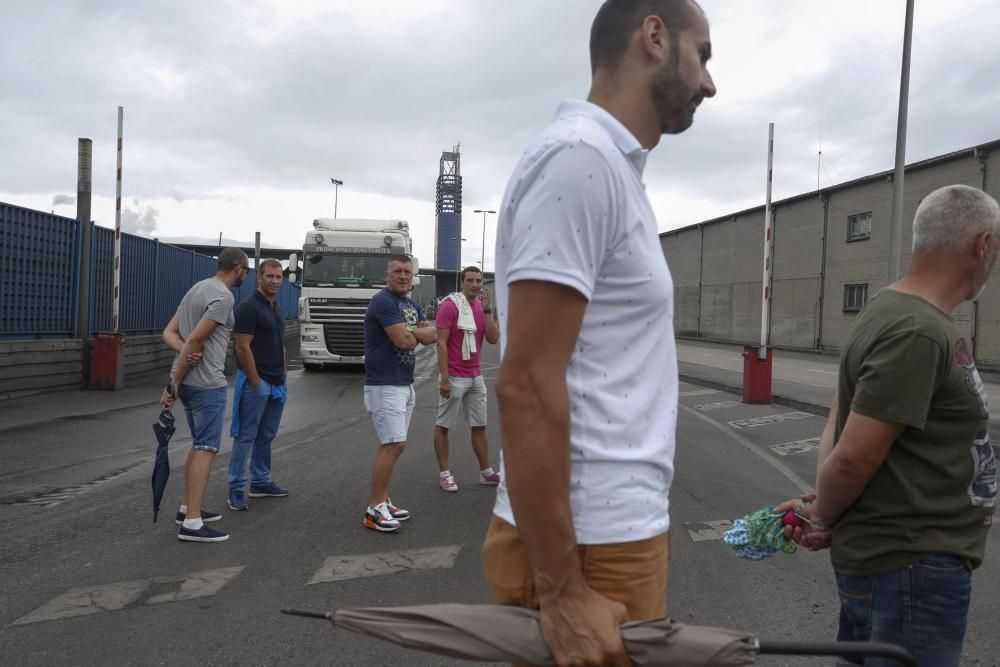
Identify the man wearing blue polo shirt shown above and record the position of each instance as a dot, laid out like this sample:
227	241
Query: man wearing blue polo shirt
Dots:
394	325
259	394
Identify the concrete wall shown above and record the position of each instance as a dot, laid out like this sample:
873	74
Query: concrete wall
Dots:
717	264
798	253
33	367
988	310
683	253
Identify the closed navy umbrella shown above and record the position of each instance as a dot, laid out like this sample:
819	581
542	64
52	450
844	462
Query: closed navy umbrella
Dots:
164	430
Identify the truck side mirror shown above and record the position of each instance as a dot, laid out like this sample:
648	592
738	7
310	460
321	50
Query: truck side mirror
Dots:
293	263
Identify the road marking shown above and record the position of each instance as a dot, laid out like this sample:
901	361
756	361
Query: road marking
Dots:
768	457
769	419
344	568
796	447
702	531
698	392
818	370
112	597
704	407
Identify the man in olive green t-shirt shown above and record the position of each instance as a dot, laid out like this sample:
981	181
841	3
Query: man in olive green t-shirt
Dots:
906	476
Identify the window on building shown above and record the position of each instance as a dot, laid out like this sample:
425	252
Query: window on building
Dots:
855	297
859	226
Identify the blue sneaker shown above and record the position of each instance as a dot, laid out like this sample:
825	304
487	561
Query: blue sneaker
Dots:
269	490
203	534
206	517
237	501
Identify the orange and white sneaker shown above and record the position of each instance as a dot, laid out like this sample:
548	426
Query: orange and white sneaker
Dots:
378	518
395	512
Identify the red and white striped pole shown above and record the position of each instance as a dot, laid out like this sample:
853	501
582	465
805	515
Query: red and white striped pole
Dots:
765	302
118	229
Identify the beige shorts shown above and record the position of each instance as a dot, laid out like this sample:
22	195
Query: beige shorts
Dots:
632	573
467	395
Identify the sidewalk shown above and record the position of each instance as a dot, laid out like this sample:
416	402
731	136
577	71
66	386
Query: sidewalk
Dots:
39	408
801	380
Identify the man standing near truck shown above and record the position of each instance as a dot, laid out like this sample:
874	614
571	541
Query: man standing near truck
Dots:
394	326
260	390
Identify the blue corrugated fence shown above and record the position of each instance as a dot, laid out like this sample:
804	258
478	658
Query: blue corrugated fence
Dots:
39	269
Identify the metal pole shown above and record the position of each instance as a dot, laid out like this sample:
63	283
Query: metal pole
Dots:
256	251
896	225
765	315
336	191
83	193
116	309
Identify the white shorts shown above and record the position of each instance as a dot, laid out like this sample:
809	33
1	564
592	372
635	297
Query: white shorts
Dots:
391	408
470	395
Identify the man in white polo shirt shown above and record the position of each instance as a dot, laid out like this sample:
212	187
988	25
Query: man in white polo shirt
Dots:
588	379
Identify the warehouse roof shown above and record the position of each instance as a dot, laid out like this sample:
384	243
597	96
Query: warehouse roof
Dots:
923	164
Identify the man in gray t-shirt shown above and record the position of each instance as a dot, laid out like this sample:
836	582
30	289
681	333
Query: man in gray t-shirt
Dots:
209	299
199	333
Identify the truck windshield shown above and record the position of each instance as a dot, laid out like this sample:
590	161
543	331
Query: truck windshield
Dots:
332	270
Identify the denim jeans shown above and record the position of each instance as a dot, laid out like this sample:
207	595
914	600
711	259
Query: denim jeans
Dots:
923	608
259	417
205	410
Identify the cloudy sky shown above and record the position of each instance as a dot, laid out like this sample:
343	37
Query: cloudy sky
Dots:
237	114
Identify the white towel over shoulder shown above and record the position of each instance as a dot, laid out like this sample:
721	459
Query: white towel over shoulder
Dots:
466	323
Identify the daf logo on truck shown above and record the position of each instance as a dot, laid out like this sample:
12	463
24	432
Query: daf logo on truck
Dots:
343	266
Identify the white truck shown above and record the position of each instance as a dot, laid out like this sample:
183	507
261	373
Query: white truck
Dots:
343	266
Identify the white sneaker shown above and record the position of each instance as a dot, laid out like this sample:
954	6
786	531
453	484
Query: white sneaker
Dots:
448	483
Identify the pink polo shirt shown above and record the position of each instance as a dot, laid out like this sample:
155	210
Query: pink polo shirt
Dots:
447	318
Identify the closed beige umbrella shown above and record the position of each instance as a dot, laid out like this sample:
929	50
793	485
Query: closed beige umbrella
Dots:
512	634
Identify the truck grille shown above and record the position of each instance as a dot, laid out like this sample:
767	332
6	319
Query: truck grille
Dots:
346	339
343	323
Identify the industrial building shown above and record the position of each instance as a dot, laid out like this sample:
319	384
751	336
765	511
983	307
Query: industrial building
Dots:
831	253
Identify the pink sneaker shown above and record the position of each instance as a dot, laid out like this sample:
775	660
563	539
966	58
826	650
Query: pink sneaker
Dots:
491	479
448	483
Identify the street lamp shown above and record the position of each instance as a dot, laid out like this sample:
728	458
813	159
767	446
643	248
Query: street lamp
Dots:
336	191
482	261
459	269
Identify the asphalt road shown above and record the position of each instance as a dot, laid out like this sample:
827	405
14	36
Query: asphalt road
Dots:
86	578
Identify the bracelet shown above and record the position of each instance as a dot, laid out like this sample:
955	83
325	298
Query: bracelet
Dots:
444	381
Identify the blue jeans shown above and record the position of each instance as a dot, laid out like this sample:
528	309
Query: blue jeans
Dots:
923	608
205	410
259	417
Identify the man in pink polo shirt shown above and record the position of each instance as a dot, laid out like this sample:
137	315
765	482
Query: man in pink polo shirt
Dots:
463	320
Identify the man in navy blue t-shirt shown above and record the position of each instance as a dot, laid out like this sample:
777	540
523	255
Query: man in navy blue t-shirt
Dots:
394	325
259	392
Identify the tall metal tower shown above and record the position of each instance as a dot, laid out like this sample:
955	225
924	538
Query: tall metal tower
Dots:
448	250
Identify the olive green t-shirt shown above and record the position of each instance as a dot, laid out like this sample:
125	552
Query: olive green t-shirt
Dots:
906	362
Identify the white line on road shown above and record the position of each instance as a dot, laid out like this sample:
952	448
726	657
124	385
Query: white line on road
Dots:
343	568
817	370
769	458
796	447
705	407
112	597
767	420
698	531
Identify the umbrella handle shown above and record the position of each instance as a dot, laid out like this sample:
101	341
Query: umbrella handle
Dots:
171	392
325	615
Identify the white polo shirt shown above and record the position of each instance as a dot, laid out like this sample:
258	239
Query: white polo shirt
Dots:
575	213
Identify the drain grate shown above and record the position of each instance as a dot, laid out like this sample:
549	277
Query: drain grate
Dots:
53	497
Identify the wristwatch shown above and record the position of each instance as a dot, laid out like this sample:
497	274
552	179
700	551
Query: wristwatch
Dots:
444	380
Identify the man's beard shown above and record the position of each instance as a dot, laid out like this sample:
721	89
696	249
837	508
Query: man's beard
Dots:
672	98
